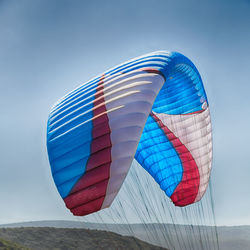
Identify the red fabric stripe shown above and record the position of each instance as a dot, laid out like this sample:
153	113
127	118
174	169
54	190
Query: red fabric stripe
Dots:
187	189
88	208
100	143
101	129
88	194
99	158
195	112
92	177
150	70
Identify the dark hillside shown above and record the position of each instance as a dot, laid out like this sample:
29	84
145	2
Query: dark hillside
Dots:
8	245
65	238
230	237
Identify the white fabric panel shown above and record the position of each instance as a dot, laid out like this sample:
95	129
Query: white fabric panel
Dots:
127	122
194	131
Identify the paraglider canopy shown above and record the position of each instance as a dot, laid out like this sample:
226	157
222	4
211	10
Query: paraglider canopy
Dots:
152	108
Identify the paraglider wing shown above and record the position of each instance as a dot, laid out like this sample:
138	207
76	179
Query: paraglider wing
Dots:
153	108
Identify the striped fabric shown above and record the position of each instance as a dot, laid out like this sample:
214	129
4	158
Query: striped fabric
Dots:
152	108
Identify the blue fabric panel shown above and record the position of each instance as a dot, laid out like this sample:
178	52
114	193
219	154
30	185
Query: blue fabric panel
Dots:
181	94
156	154
69	140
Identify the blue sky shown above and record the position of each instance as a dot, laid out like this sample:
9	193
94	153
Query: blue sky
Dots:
47	48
